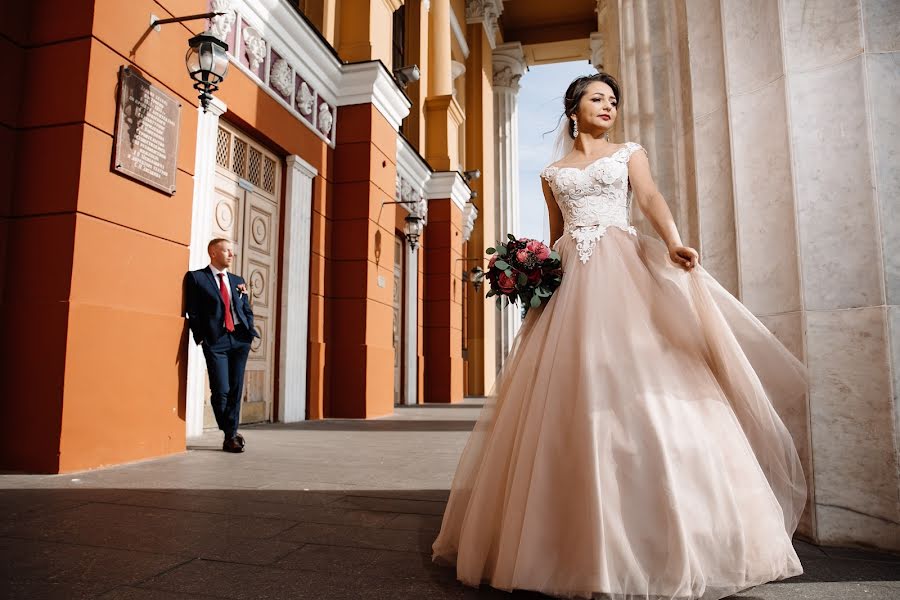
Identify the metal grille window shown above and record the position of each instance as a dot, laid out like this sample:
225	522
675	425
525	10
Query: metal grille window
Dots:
223	143
268	175
253	165
239	161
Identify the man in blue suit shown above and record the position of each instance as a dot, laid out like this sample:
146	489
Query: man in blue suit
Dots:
221	321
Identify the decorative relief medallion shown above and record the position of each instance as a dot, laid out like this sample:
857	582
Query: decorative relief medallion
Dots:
306	99
325	118
224	216
259	231
281	77
255	46
221	25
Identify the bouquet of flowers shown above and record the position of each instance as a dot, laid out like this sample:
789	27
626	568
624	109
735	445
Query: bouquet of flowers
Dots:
523	269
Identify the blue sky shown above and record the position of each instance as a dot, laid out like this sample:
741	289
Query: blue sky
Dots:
540	106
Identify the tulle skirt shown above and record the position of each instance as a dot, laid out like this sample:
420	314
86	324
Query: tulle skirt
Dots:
629	448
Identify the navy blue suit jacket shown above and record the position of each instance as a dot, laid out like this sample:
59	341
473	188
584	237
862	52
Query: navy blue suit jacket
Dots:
205	309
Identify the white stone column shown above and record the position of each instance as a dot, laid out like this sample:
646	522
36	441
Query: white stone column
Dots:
597	50
509	66
197	393
295	290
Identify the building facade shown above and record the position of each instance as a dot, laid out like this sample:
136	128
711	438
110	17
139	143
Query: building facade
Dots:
322	159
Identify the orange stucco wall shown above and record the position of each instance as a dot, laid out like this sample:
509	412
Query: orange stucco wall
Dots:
443	303
359	365
98	372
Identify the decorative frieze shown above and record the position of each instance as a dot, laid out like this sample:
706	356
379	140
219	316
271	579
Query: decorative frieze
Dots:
469	214
485	12
273	64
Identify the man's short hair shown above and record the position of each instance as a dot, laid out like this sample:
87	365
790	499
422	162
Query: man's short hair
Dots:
215	241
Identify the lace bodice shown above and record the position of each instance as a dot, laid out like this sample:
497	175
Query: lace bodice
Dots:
593	198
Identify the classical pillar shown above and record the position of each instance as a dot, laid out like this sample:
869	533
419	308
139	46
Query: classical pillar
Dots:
644	73
295	290
447	194
197	393
509	66
597	50
443	114
631	115
366	29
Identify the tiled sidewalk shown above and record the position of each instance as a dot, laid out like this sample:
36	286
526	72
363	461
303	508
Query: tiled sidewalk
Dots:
323	510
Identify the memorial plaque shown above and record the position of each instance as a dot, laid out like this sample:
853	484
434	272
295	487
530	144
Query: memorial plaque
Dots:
146	140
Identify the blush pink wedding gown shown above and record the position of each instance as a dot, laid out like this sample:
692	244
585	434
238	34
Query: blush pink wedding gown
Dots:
630	448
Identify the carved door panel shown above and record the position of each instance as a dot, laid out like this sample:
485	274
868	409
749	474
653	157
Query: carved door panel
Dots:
247	189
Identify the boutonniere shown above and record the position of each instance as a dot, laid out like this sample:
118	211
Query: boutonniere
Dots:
242	288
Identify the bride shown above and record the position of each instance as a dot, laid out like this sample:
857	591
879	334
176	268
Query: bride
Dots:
629	448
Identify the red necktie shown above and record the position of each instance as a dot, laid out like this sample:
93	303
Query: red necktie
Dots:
229	320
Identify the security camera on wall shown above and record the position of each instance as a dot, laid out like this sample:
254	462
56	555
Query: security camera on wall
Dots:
406	75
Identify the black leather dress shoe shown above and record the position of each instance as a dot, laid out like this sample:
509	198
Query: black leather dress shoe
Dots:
232	445
240	439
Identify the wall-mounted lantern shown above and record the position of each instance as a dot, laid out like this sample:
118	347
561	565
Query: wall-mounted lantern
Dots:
206	59
207	64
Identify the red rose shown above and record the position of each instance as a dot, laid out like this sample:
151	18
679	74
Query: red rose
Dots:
507	284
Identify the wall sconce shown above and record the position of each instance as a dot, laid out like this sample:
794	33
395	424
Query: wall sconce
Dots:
412	229
206	59
207	64
475	275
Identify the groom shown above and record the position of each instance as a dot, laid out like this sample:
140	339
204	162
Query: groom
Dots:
221	321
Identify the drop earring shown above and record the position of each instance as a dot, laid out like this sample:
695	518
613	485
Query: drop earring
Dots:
575	128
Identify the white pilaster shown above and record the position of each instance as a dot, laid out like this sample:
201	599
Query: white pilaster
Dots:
509	66
201	232
411	327
295	290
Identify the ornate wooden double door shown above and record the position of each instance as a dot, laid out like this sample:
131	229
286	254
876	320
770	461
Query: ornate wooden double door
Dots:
247	201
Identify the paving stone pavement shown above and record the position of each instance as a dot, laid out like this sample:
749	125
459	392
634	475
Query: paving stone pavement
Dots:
323	510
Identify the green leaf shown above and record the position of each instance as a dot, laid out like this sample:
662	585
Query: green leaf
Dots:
511	237
502	265
508	272
490	251
501	250
522	279
535	301
499	299
491	293
554	255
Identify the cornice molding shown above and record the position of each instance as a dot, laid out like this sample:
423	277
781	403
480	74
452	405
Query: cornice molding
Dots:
369	81
448	184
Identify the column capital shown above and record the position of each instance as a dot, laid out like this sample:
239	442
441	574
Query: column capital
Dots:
485	12
297	163
509	66
597	50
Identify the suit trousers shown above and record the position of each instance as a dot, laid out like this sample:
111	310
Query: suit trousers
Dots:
225	363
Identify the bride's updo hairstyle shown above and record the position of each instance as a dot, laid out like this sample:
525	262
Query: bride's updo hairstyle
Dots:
576	90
